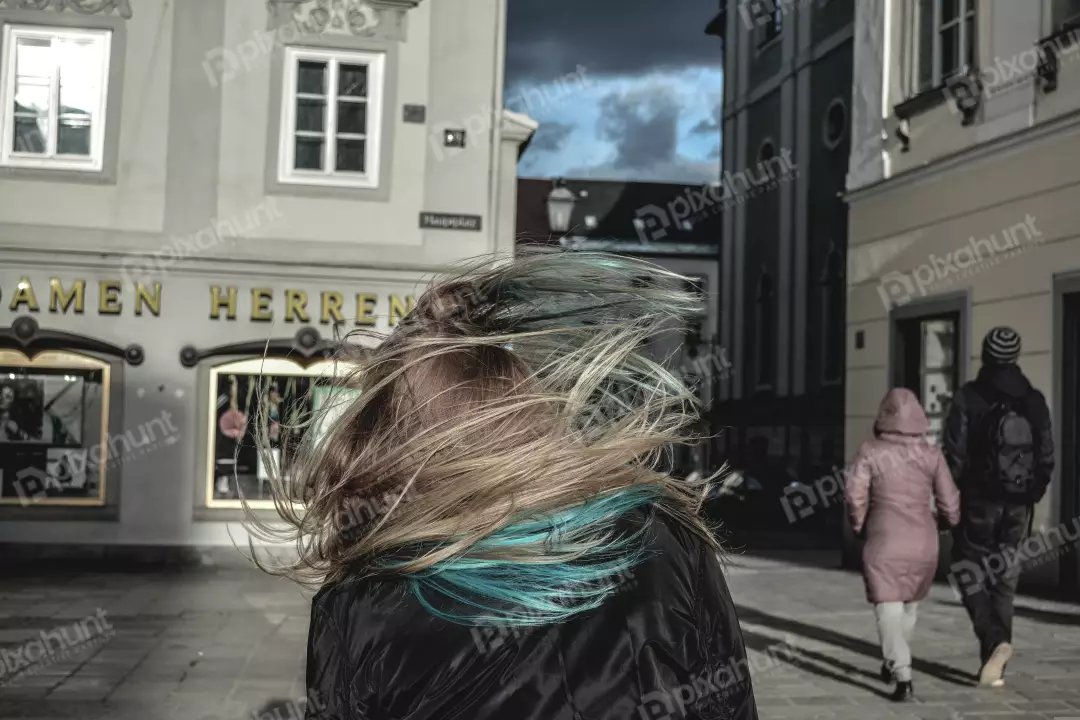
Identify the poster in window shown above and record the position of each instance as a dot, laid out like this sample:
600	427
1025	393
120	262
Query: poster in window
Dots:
53	429
937	392
250	408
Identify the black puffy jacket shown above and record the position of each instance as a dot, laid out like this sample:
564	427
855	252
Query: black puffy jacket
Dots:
968	407
666	645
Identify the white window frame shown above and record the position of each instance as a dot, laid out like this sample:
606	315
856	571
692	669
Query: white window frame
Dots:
967	8
329	177
51	160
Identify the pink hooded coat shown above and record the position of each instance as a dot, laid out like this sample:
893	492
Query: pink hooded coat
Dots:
889	487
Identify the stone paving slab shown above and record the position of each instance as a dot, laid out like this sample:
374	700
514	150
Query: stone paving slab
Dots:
824	616
226	642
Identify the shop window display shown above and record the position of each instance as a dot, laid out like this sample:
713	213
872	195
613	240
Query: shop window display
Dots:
927	362
53	429
287	401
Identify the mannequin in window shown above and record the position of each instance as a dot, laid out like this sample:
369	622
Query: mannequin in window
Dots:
9	429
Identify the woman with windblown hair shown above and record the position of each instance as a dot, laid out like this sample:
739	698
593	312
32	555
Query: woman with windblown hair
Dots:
533	564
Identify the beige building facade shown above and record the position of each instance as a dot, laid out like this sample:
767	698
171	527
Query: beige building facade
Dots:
964	197
187	187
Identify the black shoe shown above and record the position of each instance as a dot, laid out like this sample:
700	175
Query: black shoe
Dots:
904	692
886	673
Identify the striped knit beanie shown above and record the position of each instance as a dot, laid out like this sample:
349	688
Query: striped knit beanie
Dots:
1001	345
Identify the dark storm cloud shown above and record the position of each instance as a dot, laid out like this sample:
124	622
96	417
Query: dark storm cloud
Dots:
714	154
550	137
550	38
642	124
708	126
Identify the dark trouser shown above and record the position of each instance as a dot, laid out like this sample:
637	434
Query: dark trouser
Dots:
988	537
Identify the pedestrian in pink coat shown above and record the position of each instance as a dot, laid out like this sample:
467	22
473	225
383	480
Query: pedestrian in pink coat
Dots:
889	490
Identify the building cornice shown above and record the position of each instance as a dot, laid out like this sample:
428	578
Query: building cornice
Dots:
634	246
362	18
517	126
402	5
243	268
1049	130
85	7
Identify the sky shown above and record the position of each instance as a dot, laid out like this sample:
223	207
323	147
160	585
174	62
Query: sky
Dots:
622	89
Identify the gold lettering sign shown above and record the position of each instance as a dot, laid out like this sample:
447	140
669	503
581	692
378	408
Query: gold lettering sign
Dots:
152	301
260	304
295	304
69	297
24	295
365	308
109	298
59	301
216	302
331	308
399	309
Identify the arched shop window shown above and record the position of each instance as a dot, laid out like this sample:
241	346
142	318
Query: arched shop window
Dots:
288	400
54	428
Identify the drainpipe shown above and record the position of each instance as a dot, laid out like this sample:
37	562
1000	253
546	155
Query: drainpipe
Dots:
495	178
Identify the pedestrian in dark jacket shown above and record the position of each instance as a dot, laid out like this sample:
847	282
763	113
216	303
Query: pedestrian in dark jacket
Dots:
1000	448
534	565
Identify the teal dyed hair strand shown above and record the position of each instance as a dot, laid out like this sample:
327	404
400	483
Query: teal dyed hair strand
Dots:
486	590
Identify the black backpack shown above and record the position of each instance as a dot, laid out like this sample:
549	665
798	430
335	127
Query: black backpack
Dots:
1004	451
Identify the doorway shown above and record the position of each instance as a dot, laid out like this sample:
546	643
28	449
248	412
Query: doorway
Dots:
927	360
1070	425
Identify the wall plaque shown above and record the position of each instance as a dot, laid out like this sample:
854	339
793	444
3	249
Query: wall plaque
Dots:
446	221
415	114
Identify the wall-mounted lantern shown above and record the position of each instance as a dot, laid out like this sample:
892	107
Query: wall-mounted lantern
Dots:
560	205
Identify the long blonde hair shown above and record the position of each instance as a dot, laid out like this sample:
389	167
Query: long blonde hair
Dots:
507	424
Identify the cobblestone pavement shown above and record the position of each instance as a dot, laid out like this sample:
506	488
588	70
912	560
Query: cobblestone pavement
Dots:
223	641
226	642
832	671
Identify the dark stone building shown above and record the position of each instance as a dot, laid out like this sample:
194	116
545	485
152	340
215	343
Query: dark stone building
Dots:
788	79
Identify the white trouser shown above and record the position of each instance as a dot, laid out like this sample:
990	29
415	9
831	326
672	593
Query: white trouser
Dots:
896	625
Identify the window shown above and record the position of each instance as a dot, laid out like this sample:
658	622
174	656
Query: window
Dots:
694	366
766	151
765	333
1070	407
927	363
55	83
833	321
1066	13
54	434
773	25
287	400
331	118
947	40
835	125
